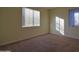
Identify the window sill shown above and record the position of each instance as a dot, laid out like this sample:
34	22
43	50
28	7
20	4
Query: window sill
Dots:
30	26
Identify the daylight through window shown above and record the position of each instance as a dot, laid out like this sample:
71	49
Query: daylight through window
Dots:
30	17
60	25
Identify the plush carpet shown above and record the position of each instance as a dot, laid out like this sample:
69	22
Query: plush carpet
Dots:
44	43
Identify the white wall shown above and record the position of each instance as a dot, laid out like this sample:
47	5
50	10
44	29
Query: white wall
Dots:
63	13
11	30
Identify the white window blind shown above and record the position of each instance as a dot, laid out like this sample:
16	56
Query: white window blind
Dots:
74	17
36	18
60	25
30	17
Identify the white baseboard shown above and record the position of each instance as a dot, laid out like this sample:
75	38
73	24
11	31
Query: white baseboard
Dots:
23	38
75	37
20	39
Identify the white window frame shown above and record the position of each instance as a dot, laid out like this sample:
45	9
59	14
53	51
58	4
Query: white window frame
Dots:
74	17
60	25
32	19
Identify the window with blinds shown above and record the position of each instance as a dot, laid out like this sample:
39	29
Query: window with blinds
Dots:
30	17
74	17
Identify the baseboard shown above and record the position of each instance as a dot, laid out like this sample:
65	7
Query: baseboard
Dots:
67	36
72	37
24	38
21	39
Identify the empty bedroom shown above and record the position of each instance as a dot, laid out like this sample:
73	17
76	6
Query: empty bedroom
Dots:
39	29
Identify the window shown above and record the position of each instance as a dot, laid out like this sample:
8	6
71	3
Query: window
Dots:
74	17
30	17
60	25
57	23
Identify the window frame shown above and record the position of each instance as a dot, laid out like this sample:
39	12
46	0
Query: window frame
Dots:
77	25
72	17
22	9
58	23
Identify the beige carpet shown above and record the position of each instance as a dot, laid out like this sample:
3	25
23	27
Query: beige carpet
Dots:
44	43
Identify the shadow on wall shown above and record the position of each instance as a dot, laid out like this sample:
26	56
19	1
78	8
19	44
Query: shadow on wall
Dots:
59	23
